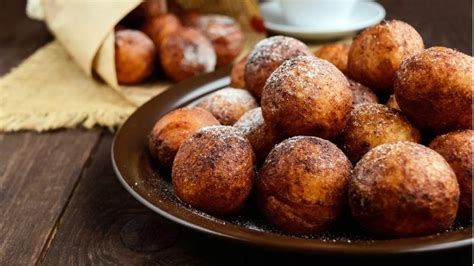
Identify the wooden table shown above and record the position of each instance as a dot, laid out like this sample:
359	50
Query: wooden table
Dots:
62	204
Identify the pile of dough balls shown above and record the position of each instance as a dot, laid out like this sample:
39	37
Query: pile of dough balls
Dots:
160	37
311	127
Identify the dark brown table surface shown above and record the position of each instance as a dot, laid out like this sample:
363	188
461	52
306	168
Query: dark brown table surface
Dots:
61	203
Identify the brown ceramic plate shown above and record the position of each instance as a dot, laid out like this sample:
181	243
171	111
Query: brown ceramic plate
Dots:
152	188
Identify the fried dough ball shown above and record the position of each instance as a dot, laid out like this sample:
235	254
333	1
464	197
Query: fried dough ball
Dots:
237	79
434	89
302	185
335	53
173	129
372	124
261	134
224	33
403	189
307	96
228	104
134	56
186	53
154	8
392	102
190	17
361	94
267	55
376	53
158	27
214	170
456	148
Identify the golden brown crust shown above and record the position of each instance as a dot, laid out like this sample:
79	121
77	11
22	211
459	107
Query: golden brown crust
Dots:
261	134
307	96
214	170
376	53
237	79
372	124
456	148
224	33
267	55
158	27
392	102
228	104
361	93
154	8
173	129
190	17
434	89
134	56
403	189
302	185
336	54
186	53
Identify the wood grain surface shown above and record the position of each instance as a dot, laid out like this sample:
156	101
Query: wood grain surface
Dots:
19	35
439	22
38	173
61	203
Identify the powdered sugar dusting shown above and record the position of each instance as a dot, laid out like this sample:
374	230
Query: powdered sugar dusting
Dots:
303	77
228	104
200	54
328	156
233	95
250	120
228	25
223	133
427	158
307	66
275	48
383	115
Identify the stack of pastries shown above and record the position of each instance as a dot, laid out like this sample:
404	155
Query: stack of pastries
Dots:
306	133
160	36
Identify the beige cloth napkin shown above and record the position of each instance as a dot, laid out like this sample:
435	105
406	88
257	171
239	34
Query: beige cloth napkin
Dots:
49	91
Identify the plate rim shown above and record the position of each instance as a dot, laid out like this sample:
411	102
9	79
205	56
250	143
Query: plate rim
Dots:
277	27
275	241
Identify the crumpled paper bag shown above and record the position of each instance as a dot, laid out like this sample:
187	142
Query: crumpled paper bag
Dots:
86	31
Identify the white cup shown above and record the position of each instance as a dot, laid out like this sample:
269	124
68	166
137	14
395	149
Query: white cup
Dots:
318	13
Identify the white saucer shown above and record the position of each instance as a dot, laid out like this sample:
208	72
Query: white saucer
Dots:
365	14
